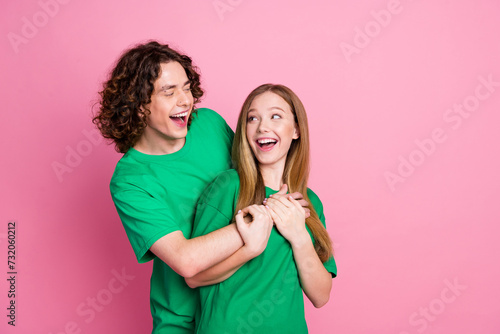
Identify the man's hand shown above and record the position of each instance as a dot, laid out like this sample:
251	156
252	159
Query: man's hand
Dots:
256	233
296	196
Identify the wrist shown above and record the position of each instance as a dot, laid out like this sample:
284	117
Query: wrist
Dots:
250	252
301	240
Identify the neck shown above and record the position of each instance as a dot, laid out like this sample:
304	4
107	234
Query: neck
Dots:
149	144
272	175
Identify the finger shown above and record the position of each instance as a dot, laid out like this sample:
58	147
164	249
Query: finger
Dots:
276	203
246	216
307	212
303	203
240	224
259	214
296	195
268	213
286	201
296	203
276	218
283	190
251	209
245	210
277	207
278	195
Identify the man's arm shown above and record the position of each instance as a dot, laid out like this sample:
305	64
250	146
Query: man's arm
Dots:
188	257
255	235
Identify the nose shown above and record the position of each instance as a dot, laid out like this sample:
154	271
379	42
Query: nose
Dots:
183	98
263	126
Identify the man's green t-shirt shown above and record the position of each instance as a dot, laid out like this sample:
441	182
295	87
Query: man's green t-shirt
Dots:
264	295
156	195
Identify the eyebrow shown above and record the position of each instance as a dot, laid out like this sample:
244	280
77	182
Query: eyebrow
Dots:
167	87
274	107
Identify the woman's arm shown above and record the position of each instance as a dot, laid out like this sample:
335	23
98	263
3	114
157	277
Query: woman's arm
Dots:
316	281
289	217
254	235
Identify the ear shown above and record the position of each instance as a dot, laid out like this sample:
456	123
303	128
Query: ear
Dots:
142	112
296	131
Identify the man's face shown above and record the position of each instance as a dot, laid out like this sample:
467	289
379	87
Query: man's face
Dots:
171	105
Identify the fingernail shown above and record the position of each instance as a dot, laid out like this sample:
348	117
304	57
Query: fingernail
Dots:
270	195
239	211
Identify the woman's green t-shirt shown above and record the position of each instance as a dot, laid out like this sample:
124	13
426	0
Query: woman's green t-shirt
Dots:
264	295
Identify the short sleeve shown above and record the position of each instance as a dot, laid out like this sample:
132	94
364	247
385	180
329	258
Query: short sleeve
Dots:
220	123
215	208
144	217
207	220
330	264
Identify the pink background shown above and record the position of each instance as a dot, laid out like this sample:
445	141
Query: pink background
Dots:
380	81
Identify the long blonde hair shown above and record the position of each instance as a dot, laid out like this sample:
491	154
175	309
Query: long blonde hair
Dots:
296	173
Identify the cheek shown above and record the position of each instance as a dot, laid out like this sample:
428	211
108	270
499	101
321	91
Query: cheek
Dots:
287	132
249	133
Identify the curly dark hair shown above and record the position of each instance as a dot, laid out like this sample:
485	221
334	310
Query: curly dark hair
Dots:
131	83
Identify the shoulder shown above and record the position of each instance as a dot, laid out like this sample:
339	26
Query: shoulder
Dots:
209	122
205	114
131	174
127	167
315	201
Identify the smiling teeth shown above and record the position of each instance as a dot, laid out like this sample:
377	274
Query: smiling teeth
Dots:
265	141
183	114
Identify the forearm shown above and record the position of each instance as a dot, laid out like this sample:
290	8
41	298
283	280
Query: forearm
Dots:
222	270
316	281
188	257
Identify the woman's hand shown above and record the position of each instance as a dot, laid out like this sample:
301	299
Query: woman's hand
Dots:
296	196
289	217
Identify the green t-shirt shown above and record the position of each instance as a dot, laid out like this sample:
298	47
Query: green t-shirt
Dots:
264	295
156	195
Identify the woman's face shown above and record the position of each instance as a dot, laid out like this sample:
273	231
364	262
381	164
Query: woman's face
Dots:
270	129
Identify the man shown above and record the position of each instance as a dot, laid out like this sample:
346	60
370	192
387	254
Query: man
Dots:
171	152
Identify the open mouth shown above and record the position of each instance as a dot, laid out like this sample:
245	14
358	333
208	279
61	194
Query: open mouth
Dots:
266	144
180	119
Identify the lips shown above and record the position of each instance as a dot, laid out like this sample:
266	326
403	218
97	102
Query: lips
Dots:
266	144
180	119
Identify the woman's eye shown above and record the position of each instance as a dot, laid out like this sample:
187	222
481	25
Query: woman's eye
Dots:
276	116
251	118
187	89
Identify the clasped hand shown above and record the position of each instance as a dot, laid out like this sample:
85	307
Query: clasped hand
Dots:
287	211
289	217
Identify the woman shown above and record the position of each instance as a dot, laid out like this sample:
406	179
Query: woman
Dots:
271	148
